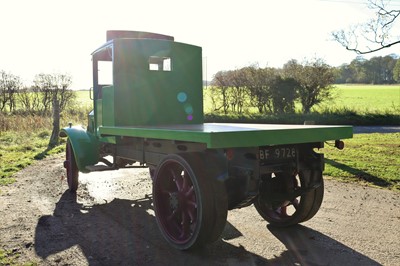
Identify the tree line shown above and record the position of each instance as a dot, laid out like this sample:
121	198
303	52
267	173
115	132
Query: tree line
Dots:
272	90
38	98
377	70
48	95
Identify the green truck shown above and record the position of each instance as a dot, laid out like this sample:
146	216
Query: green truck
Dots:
148	109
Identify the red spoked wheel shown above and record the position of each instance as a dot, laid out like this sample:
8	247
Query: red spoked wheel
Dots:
71	167
286	210
185	203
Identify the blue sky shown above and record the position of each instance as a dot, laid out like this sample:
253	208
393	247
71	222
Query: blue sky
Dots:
46	36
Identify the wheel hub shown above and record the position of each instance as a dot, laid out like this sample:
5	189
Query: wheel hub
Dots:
275	192
174	201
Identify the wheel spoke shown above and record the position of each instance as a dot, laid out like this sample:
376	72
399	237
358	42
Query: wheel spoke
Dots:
177	228
172	215
166	192
190	192
177	179
185	226
192	203
191	213
186	183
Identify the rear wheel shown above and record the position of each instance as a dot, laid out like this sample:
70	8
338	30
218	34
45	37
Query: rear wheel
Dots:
71	167
287	199
189	208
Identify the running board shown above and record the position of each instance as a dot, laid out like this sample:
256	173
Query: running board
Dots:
99	168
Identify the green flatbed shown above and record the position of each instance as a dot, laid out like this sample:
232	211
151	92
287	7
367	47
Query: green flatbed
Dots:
220	135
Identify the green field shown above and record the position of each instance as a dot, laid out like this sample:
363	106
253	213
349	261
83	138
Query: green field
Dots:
365	98
358	98
83	98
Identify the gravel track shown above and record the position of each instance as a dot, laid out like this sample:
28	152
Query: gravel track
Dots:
111	222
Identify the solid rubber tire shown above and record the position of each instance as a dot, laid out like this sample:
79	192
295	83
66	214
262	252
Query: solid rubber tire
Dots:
309	205
72	168
211	207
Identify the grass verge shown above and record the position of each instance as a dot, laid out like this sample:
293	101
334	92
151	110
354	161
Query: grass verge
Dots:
20	149
10	258
24	138
327	117
370	158
7	257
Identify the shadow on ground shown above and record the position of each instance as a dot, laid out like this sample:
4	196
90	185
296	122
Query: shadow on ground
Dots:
306	246
362	175
124	232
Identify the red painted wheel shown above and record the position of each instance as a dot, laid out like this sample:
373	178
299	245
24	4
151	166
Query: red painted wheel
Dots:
284	210
188	211
71	167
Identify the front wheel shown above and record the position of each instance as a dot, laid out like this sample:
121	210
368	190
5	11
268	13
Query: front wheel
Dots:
286	199
71	167
188	205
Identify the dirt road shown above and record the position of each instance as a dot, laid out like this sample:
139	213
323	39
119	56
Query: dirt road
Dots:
111	222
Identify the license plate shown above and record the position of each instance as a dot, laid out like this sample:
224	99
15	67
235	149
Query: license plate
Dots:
278	153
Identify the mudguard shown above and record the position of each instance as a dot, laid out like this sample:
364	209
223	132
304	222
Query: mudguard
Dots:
84	145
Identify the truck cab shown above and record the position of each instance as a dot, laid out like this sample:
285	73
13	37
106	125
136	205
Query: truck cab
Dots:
144	79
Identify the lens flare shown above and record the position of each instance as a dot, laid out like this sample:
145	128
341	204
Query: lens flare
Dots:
182	97
188	109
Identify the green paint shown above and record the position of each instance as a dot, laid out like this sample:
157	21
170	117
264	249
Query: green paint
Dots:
84	144
156	82
236	135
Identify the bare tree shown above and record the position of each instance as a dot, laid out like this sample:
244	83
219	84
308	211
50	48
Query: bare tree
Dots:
9	86
259	82
220	92
3	90
284	92
55	93
25	99
237	80
50	86
61	96
314	79
43	84
29	99
373	35
230	90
